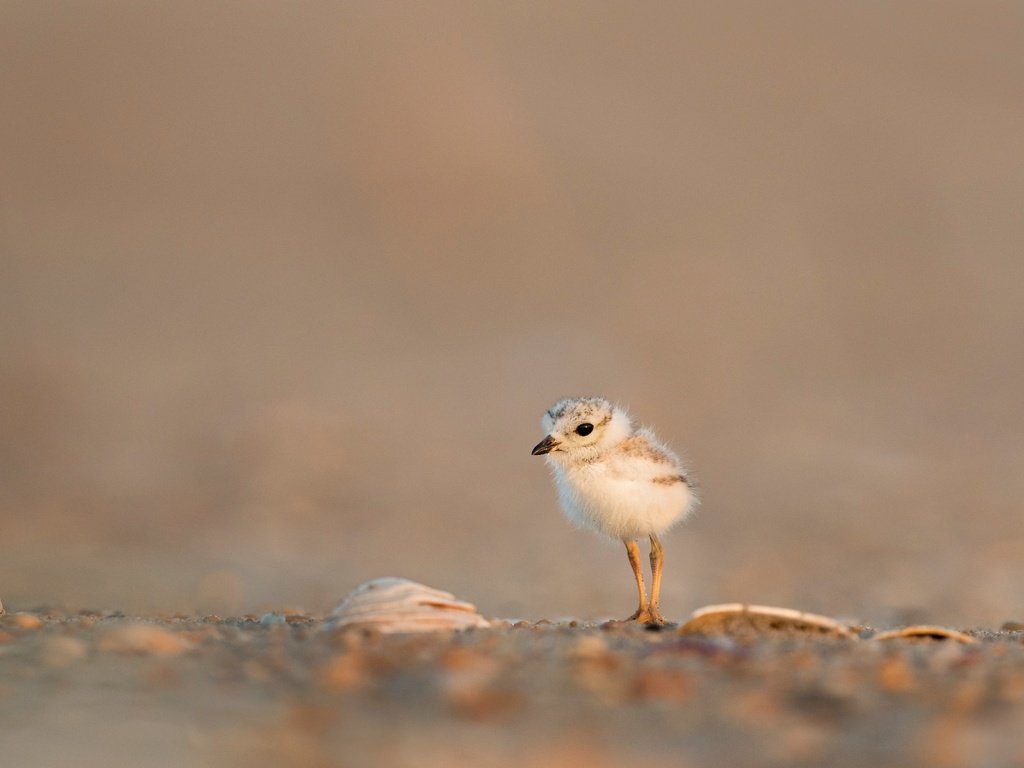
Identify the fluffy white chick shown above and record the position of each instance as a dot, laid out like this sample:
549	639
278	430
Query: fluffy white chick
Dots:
618	480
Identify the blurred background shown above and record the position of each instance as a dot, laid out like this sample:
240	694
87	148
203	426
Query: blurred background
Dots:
285	289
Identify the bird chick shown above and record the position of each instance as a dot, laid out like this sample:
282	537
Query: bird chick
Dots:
618	480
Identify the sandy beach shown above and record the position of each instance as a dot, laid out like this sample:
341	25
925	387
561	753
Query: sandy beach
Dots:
285	289
98	689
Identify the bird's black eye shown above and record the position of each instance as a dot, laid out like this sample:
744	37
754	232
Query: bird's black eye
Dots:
585	428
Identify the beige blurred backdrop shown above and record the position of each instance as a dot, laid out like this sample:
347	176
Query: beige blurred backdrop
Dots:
285	288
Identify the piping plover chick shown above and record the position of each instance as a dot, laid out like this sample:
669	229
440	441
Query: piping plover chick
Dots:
616	479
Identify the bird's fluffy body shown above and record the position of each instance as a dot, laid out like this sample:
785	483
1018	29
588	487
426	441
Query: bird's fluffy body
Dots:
616	479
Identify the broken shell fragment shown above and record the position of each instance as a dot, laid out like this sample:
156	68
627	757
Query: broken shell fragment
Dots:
743	619
925	632
394	605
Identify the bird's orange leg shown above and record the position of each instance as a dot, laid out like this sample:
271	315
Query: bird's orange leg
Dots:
657	558
642	614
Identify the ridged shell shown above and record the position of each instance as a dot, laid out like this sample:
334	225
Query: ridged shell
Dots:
743	619
925	632
395	605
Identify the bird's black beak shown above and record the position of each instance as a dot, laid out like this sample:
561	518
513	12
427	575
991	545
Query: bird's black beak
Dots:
547	445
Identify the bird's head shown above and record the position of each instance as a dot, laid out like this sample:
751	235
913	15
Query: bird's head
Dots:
582	427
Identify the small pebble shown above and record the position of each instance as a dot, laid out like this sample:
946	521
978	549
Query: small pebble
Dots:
895	675
665	684
344	672
60	652
143	639
589	647
26	621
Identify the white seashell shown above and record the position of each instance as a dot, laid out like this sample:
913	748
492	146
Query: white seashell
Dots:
395	605
925	632
740	618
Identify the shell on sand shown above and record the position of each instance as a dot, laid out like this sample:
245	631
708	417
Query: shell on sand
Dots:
925	632
395	605
1	607
740	618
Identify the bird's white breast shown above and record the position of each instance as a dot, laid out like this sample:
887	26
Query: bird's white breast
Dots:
621	498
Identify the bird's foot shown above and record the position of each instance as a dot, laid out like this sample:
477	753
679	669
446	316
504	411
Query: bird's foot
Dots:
656	618
642	611
648	615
